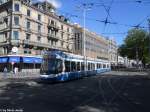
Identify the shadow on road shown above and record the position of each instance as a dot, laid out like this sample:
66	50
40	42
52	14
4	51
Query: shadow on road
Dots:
78	96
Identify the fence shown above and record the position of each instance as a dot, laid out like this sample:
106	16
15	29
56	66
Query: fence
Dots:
25	73
133	69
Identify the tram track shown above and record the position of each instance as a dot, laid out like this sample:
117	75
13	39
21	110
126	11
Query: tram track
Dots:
106	87
101	94
131	105
85	102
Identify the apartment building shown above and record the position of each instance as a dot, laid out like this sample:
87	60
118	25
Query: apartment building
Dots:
27	30
96	46
32	28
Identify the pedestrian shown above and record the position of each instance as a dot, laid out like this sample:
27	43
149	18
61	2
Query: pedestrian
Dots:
5	71
15	70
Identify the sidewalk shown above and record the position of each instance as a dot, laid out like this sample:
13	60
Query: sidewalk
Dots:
20	75
126	73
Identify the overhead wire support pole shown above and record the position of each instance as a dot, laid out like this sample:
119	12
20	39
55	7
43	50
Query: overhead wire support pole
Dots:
84	54
149	35
84	8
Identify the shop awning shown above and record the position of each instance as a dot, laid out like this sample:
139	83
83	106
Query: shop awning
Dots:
38	60
14	59
3	59
32	60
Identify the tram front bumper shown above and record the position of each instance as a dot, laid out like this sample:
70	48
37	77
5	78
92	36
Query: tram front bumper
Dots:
48	78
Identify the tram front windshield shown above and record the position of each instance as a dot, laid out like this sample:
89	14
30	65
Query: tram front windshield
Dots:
51	66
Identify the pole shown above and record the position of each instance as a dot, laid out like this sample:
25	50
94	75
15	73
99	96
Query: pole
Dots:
84	14
149	35
10	25
137	57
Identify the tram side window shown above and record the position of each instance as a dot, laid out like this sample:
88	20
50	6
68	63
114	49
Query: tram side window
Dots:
97	65
78	66
100	65
73	66
89	66
104	66
107	65
82	66
67	66
93	66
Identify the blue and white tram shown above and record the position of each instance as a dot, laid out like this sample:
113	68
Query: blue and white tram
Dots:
61	66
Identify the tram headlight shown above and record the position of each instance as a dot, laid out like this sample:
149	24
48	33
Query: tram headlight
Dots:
57	75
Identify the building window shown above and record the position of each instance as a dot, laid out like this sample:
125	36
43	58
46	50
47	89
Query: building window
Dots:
15	35
49	41
16	20
16	7
52	22
62	44
39	17
28	24
67	29
28	36
68	37
6	21
38	38
62	35
53	43
6	35
62	27
28	12
39	28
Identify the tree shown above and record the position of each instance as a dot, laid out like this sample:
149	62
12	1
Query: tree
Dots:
135	45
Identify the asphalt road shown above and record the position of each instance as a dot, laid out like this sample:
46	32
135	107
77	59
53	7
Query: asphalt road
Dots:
103	93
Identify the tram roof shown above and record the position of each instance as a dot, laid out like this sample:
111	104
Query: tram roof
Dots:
70	56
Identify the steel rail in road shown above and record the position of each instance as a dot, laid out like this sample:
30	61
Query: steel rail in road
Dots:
125	99
86	101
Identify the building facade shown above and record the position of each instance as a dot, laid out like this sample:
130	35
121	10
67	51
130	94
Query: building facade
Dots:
96	46
32	28
126	62
28	29
113	51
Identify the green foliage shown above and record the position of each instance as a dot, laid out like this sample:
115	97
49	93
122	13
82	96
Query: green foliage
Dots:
136	41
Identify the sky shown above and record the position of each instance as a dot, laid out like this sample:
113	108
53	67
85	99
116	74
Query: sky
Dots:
122	15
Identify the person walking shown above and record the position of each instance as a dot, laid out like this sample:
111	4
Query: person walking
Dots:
15	70
5	71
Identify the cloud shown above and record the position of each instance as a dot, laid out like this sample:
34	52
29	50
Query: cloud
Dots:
56	3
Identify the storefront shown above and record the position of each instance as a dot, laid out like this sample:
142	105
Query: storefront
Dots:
21	62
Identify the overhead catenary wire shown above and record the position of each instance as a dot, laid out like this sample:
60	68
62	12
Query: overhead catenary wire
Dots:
103	21
121	2
107	21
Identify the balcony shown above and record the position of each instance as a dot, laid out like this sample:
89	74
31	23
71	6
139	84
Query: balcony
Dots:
52	36
16	26
38	44
53	27
15	42
17	13
34	43
28	30
4	43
